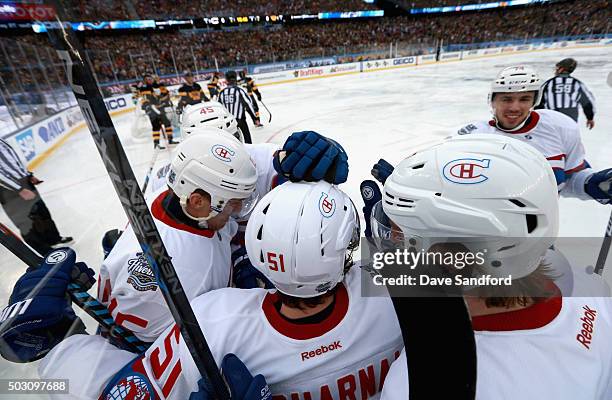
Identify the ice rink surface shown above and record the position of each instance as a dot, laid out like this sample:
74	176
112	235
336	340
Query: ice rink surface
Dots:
385	114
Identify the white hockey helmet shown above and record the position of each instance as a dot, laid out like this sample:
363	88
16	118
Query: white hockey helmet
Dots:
515	79
486	191
217	163
209	114
301	237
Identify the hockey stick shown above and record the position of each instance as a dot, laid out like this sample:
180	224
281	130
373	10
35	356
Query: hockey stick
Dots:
605	248
87	93
268	110
150	170
449	336
78	294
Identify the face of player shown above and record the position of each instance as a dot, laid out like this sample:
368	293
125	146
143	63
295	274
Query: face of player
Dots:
511	109
189	80
149	80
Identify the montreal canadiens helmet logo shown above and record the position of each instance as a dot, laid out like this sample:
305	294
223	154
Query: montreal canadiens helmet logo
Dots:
327	207
223	153
466	170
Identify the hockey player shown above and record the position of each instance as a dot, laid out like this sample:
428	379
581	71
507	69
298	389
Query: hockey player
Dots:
238	103
252	90
213	85
191	93
316	336
210	114
210	178
528	347
512	97
157	104
564	93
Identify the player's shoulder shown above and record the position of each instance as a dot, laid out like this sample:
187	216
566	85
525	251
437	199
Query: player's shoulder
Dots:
557	123
555	117
229	303
474	127
261	150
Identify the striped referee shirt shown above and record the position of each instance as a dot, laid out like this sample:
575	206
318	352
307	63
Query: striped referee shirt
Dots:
564	93
237	102
12	170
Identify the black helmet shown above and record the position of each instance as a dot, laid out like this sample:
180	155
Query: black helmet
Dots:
568	65
230	76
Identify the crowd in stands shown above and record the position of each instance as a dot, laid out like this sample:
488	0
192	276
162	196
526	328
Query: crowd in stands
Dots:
128	56
200	49
86	10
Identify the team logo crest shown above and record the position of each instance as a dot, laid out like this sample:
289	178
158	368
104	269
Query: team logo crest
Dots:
466	171
132	387
367	192
223	153
327	207
141	276
56	257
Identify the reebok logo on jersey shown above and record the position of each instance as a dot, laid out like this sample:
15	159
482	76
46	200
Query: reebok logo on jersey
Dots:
586	333
321	350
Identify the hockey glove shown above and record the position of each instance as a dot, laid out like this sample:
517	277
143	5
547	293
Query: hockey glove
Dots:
258	96
309	156
370	193
37	322
599	186
152	111
245	275
242	385
381	170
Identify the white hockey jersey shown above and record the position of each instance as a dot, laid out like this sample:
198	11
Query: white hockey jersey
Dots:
127	284
558	349
555	135
347	355
202	259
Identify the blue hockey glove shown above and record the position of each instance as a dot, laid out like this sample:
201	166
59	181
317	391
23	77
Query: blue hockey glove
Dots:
370	193
599	186
35	323
381	170
309	156
242	385
245	275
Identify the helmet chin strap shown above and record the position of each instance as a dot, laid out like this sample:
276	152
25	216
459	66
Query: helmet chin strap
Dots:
202	221
516	128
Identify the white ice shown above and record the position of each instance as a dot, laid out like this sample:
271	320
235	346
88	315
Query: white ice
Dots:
386	114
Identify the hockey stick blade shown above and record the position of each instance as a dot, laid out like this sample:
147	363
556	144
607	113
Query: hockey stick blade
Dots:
605	248
150	170
78	293
87	93
268	110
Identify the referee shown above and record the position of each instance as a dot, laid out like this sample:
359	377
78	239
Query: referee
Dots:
564	93
237	102
23	205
